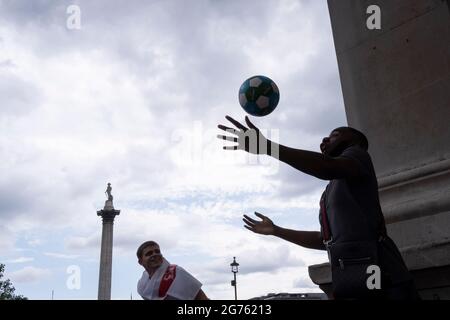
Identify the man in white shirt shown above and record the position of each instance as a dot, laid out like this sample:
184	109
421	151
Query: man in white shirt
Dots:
164	281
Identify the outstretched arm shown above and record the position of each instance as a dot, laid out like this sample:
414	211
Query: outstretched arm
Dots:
317	164
313	163
307	239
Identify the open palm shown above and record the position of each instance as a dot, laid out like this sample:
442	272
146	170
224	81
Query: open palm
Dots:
248	139
265	226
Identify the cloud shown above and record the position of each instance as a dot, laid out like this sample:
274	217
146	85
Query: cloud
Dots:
304	283
61	255
22	13
34	242
7	239
80	242
20	260
97	111
268	259
29	274
18	95
6	64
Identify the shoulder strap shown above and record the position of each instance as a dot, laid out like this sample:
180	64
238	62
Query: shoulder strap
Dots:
326	230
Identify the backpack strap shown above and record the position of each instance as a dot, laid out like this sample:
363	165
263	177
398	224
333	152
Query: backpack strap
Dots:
326	230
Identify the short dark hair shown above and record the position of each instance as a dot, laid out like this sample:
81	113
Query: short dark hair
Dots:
146	244
360	138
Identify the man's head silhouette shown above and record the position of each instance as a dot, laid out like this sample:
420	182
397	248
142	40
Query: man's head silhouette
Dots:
342	138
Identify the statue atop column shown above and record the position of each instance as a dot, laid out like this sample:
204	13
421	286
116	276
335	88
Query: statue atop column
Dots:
109	202
108	191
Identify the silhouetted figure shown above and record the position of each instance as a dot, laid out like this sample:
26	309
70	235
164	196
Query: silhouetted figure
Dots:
164	281
352	224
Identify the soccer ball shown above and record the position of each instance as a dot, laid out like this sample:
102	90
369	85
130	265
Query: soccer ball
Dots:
259	96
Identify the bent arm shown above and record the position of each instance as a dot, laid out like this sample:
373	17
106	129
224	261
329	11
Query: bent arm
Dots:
316	164
307	239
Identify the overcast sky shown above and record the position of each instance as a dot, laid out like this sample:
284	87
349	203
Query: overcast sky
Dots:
134	97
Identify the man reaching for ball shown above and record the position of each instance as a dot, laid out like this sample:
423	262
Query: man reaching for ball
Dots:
350	211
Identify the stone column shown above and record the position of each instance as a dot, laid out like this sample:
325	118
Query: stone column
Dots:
396	87
104	284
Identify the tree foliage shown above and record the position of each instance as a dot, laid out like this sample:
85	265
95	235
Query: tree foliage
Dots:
7	289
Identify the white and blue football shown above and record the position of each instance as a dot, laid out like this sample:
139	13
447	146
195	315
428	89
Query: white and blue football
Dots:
259	96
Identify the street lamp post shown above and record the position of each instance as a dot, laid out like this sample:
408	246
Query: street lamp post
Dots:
234	268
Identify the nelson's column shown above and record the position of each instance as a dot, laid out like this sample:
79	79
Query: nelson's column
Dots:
108	214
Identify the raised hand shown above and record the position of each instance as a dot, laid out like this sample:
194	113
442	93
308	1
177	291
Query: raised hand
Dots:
249	139
265	226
